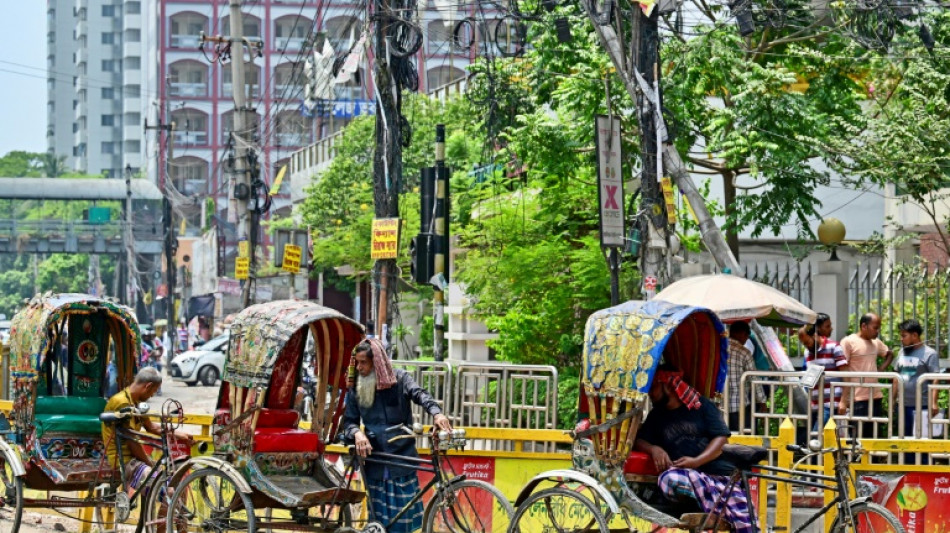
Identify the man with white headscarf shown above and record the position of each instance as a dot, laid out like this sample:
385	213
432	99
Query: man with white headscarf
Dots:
381	400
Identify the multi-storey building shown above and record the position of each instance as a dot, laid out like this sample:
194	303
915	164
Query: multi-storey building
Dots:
198	89
95	118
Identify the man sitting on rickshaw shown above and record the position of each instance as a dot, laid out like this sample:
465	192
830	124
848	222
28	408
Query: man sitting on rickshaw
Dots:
684	435
138	463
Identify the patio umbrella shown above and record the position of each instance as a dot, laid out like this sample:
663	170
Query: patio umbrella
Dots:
733	298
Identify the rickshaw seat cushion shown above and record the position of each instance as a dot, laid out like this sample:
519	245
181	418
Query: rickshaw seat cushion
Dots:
282	440
278	418
68	415
640	463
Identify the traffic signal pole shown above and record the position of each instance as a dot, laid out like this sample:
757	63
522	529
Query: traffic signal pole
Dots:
441	241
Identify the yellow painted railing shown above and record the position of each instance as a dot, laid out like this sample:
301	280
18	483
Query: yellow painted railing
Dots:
528	464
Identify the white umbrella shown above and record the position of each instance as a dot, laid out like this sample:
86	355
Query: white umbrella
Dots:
733	298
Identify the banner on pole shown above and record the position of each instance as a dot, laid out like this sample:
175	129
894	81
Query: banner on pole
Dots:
609	181
242	267
292	254
385	238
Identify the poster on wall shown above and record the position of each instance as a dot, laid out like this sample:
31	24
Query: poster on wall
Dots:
920	500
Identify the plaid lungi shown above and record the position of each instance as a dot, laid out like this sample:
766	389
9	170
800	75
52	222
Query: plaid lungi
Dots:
679	483
136	473
389	496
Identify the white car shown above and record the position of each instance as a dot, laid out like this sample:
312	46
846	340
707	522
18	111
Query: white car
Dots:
202	365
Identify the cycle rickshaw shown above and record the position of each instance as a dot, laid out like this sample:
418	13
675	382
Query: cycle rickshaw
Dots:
276	474
623	346
69	353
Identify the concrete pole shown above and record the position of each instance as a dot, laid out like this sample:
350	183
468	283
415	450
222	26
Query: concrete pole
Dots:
241	183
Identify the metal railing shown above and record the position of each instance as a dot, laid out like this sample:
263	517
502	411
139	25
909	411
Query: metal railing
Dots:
436	378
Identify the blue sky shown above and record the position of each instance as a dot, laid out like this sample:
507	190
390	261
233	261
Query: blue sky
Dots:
23	93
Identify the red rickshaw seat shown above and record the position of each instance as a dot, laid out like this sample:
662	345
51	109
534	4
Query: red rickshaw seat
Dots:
277	432
641	464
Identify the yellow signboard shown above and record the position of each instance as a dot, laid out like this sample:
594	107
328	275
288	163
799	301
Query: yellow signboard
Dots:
292	254
385	238
244	249
242	266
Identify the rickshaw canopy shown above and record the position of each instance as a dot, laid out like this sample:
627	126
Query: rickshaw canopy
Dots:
260	332
624	345
31	330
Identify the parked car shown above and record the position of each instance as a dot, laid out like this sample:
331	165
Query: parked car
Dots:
204	364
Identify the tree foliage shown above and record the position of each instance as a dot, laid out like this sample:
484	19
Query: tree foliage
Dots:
903	136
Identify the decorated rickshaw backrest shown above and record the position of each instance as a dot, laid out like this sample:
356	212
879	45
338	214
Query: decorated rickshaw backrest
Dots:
265	354
623	346
96	329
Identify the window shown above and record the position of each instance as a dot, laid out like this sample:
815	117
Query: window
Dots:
108	93
132	91
133	147
108	65
133	8
133	118
75	104
75	127
108	120
75	81
133	63
133	36
108	147
108	11
108	38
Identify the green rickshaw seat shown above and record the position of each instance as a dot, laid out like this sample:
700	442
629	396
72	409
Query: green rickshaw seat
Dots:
68	415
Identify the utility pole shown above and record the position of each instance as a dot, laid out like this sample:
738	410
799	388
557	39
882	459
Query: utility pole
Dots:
240	190
131	283
387	160
166	128
441	241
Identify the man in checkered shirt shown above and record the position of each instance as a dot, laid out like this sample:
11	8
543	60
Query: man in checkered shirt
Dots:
741	361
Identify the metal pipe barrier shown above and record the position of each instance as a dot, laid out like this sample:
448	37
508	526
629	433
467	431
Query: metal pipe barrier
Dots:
506	395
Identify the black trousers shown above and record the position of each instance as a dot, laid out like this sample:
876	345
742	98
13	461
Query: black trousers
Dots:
866	408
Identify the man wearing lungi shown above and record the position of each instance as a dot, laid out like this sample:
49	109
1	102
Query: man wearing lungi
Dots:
684	434
138	465
382	399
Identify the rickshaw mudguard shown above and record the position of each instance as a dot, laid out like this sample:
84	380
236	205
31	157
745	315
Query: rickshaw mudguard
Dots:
12	458
213	462
569	475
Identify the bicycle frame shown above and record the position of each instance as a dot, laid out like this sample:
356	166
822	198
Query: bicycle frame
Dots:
416	463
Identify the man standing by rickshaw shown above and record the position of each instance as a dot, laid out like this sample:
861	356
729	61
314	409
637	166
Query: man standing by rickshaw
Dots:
382	399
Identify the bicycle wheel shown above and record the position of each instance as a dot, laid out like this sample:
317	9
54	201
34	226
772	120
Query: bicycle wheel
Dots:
558	509
12	498
469	506
868	518
208	500
155	509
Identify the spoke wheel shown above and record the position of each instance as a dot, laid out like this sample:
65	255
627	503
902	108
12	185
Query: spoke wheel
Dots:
208	501
11	512
154	511
868	518
468	507
558	510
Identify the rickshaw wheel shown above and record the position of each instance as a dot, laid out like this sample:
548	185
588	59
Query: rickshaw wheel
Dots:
208	500
154	512
469	506
868	516
558	509
12	509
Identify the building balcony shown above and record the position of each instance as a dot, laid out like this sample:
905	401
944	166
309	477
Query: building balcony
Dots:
287	91
194	138
132	49
82	28
291	139
226	90
131	22
289	43
132	132
185	41
194	90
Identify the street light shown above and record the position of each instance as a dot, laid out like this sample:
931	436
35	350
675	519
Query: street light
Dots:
831	233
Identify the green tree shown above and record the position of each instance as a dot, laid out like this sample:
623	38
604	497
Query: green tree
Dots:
902	137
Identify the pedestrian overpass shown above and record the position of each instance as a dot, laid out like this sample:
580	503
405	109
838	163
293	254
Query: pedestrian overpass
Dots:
79	236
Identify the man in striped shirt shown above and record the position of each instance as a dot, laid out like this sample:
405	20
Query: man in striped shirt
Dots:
823	351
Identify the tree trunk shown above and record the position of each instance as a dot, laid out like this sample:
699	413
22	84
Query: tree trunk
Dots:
729	197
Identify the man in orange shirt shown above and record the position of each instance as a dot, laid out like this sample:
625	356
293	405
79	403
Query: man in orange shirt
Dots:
862	351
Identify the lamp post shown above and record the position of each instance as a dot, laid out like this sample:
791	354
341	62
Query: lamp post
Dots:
831	233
